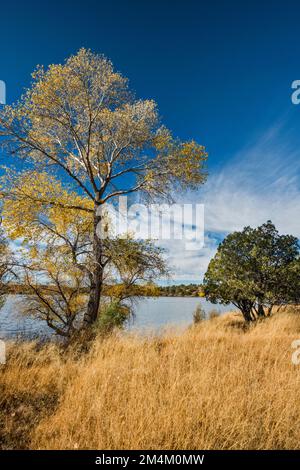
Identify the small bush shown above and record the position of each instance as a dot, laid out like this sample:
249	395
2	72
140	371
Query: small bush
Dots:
214	313
199	314
113	315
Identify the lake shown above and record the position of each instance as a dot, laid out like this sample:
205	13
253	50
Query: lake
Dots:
151	315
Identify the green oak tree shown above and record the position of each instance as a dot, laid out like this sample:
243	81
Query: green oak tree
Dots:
255	269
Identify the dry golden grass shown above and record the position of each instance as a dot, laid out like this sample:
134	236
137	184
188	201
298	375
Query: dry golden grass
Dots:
216	386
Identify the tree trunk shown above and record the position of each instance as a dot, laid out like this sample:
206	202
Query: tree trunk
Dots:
93	305
246	308
260	311
247	315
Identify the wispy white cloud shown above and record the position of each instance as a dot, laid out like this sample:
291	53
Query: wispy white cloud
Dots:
260	182
189	265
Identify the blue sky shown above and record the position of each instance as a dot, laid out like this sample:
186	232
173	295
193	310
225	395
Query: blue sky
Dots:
221	73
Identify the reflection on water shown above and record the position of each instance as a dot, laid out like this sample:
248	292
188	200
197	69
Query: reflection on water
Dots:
13	323
151	315
156	313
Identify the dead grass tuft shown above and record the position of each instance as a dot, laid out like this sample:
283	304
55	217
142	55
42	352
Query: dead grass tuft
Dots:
219	385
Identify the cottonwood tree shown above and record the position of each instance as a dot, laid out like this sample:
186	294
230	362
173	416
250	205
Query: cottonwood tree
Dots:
56	266
6	266
79	120
255	270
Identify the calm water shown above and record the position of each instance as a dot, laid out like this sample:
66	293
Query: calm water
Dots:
152	314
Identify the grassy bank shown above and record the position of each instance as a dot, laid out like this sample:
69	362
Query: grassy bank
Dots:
215	386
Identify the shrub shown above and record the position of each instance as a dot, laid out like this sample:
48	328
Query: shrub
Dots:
113	315
199	314
213	313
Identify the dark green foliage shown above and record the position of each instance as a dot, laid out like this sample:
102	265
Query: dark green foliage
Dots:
113	315
181	290
255	270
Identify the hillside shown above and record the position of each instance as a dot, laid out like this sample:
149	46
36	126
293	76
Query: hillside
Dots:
215	386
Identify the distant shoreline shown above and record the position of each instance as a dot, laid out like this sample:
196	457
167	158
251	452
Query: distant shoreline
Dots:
182	290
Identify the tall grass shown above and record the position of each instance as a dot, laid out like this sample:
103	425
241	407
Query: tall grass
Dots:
215	386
